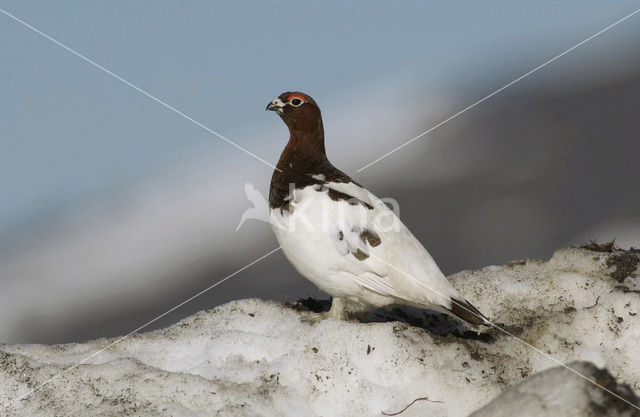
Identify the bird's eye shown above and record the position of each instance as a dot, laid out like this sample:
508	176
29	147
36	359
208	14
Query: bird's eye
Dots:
296	102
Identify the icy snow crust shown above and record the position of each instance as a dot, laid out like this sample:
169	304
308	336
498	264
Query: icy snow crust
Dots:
256	358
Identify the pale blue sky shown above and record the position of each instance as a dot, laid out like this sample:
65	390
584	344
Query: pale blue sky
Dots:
68	131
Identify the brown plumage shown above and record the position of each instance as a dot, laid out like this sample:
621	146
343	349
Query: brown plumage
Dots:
466	311
304	153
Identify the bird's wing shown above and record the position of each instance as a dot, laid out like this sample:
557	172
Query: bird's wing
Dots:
351	229
380	252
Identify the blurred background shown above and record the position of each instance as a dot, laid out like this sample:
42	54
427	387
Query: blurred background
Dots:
114	209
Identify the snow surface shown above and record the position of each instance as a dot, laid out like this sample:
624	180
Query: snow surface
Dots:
256	358
559	392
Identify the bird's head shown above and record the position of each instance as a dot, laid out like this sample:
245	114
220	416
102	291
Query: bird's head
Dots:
299	111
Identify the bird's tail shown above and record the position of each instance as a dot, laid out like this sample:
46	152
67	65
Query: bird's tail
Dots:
463	309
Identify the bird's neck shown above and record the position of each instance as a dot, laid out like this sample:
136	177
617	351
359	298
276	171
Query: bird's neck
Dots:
302	158
304	150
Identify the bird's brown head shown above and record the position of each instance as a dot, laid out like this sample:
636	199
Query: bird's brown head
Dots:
299	111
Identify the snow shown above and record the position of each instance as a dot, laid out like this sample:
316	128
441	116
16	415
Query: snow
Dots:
559	392
256	358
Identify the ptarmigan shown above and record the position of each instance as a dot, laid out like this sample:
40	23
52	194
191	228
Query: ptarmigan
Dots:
343	238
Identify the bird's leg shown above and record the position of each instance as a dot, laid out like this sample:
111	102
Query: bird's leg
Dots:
338	311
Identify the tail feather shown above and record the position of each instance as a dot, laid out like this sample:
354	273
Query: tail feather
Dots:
463	309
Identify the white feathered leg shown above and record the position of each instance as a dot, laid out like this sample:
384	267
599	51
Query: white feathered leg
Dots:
338	311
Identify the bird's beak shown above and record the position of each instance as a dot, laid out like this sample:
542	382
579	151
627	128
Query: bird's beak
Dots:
276	105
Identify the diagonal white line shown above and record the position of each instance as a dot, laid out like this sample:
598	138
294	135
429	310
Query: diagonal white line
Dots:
498	90
506	332
139	328
79	55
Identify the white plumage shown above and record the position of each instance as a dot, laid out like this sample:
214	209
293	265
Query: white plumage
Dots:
320	236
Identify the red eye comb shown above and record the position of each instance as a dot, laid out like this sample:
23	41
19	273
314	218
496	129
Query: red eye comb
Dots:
299	96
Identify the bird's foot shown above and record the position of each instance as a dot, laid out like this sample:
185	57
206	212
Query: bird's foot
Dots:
315	318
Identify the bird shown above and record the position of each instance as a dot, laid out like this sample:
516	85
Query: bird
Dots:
344	239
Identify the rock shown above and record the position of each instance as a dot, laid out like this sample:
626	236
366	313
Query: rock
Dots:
253	357
560	392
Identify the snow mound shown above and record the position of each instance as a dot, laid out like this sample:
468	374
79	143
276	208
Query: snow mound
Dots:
256	358
559	392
